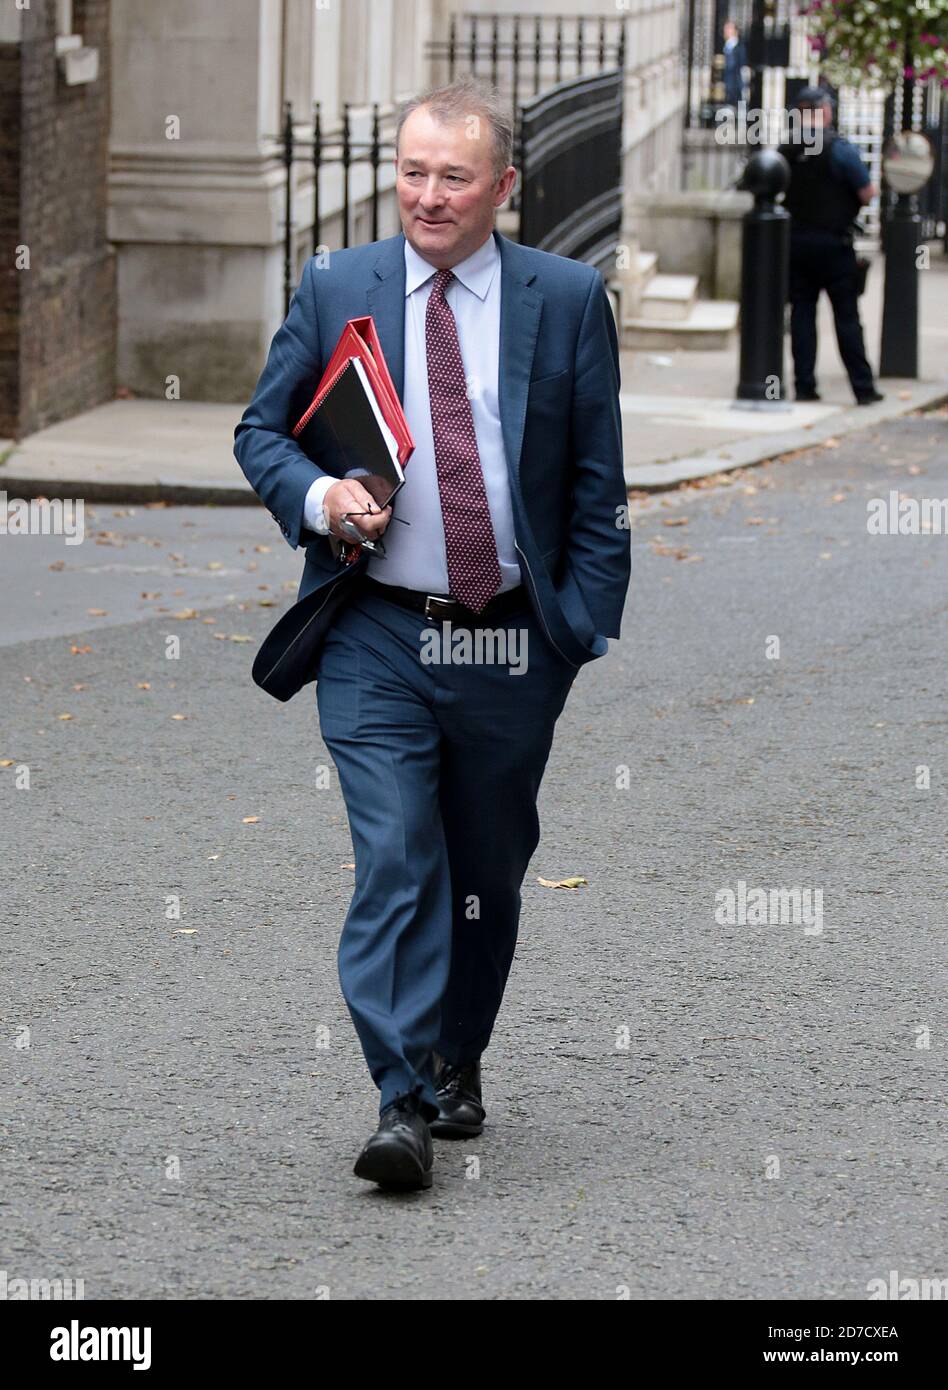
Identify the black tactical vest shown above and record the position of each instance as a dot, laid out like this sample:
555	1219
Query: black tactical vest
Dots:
817	198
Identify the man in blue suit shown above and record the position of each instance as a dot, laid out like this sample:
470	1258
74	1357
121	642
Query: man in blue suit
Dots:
443	664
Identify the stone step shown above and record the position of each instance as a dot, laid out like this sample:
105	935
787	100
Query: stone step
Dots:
711	325
669	298
647	267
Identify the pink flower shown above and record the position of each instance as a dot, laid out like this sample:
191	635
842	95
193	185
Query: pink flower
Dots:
908	72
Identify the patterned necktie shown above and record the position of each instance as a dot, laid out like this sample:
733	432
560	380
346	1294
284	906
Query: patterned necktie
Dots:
473	568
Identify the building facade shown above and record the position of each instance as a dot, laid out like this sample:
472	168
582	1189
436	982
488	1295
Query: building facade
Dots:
155	188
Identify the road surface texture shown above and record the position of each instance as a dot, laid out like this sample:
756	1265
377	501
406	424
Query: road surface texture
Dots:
678	1106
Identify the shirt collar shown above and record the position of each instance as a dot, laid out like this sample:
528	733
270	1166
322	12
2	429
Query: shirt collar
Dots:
476	272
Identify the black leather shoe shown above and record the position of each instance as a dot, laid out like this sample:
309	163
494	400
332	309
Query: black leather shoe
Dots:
460	1112
400	1153
808	396
870	398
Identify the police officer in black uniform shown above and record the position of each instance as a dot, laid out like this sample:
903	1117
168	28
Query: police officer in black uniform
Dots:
829	184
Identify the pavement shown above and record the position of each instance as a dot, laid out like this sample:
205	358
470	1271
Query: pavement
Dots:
679	421
678	1108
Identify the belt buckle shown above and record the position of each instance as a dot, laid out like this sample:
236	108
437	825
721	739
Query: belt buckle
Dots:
433	598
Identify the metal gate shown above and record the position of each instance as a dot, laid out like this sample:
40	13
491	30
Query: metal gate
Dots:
571	169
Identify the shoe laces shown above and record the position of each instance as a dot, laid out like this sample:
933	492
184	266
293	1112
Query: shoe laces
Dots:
404	1106
452	1078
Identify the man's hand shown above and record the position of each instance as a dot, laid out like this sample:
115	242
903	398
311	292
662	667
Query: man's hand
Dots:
350	496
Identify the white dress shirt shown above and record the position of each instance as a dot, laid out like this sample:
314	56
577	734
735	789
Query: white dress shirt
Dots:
415	554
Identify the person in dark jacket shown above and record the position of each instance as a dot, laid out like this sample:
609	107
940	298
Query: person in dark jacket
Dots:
829	184
735	61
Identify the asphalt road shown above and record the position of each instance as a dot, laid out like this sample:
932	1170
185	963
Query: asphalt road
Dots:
677	1107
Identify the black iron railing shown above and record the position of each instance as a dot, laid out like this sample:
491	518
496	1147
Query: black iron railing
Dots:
321	150
571	168
524	56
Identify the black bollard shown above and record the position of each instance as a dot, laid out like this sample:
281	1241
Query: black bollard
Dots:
902	236
765	266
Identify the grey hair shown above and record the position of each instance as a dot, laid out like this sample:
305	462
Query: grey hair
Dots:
464	97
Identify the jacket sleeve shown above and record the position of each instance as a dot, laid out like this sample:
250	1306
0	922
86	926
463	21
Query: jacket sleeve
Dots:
599	544
274	464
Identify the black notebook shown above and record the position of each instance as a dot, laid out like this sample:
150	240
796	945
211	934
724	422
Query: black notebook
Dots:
347	436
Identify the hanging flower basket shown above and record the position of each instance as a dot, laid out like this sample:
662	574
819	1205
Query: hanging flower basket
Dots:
878	42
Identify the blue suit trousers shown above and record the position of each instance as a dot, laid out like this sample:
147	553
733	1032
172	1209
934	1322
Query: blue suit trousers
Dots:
440	763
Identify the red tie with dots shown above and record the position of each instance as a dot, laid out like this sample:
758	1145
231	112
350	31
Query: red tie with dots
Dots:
473	568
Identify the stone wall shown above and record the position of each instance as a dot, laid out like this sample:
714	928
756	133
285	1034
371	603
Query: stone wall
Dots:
57	317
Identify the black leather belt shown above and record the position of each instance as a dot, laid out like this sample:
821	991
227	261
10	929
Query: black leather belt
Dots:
445	609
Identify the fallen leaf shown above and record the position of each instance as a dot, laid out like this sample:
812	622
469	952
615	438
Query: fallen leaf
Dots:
238	637
214	565
80	651
64	716
347	866
58	565
144	685
179	716
97	612
262	549
562	882
6	762
675	521
184	931
250	820
185	613
753	521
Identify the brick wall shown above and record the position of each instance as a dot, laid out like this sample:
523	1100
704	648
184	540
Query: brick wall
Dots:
57	319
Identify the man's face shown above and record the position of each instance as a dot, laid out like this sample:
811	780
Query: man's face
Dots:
446	188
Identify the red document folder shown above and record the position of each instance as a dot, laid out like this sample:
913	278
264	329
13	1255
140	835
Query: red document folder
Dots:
360	339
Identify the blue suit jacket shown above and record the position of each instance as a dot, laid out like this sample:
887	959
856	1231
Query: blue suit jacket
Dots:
559	409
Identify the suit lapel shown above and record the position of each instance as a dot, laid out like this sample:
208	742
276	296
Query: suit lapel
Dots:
520	309
386	304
